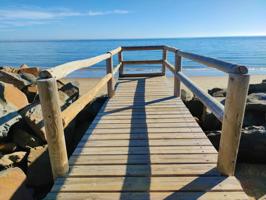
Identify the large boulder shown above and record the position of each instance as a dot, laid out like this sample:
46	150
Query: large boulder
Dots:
11	100
12	185
14	79
39	171
257	88
12	95
8	117
252	145
33	113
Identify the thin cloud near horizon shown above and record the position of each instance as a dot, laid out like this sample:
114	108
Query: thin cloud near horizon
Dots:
28	17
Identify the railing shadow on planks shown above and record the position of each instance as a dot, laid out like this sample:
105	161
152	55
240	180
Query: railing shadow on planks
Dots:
231	115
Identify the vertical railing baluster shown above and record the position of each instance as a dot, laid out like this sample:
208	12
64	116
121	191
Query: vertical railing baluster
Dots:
54	130
120	60
165	52
232	122
177	85
110	83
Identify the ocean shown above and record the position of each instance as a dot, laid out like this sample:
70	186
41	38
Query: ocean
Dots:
249	51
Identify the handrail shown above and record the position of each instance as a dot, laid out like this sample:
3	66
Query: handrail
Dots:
231	115
63	70
216	107
215	63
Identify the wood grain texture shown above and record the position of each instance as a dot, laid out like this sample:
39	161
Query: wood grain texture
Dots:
145	144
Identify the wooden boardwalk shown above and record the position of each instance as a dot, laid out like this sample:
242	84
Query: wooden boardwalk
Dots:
145	144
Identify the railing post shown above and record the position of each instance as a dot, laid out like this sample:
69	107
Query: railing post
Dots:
110	83
164	59
235	102
120	60
177	89
51	112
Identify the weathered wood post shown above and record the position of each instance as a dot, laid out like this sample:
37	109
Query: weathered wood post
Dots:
120	60
164	59
110	83
51	111
235	102
177	85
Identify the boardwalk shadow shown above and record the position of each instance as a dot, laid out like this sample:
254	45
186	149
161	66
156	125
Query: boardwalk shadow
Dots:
129	184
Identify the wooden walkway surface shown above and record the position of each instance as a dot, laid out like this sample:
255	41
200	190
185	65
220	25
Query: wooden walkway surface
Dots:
145	144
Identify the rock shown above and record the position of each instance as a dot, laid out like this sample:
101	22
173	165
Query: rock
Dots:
32	70
8	117
186	96
9	160
256	118
256	102
33	113
23	66
31	92
70	90
217	92
39	170
195	107
11	95
29	77
257	88
25	140
8	147
252	145
13	185
9	69
210	122
14	79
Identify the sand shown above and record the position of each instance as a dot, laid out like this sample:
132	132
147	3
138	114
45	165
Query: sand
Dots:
204	82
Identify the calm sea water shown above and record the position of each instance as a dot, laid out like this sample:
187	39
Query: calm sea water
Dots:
250	51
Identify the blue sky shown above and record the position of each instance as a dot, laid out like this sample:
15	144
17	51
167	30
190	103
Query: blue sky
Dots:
103	19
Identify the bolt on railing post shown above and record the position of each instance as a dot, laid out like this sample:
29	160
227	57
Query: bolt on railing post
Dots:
110	83
164	59
54	130
235	103
120	60
177	85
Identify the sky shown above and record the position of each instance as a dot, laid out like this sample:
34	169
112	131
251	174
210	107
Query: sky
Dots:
117	19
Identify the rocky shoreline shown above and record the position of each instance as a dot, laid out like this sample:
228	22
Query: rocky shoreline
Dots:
253	141
24	160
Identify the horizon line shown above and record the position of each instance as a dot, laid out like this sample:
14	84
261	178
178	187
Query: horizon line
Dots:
145	38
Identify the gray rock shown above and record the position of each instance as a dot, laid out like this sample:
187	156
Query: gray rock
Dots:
256	102
217	92
8	117
186	96
252	145
14	79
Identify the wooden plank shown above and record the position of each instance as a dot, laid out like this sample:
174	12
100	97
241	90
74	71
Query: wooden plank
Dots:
142	159
144	143
144	184
143	170
142	121
228	195
145	150
145	136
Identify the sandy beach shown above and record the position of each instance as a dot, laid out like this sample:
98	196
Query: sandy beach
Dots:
204	82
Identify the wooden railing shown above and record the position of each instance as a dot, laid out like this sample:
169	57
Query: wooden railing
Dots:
231	115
